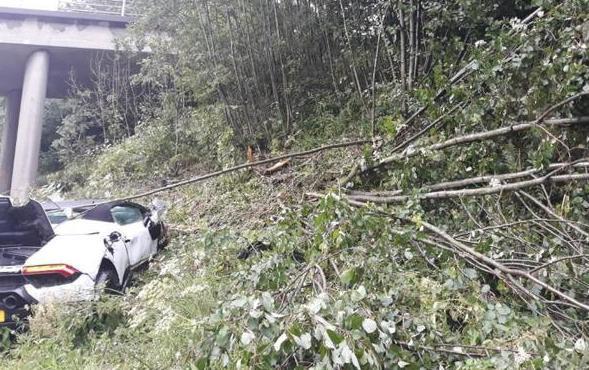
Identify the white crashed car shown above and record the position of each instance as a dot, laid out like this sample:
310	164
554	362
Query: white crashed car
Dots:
76	259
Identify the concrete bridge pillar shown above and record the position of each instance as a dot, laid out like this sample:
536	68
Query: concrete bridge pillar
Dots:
30	125
8	141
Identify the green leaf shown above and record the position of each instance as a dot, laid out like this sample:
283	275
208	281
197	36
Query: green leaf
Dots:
349	277
304	341
295	330
470	273
359	294
335	337
389	126
247	337
354	321
202	363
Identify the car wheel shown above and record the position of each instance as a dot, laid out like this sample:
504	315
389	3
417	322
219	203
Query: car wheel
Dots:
106	282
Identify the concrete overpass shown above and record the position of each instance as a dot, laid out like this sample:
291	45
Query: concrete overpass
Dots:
38	52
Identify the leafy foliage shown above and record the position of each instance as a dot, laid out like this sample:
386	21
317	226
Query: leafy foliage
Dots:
340	287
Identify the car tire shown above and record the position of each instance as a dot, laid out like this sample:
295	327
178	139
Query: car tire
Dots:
107	282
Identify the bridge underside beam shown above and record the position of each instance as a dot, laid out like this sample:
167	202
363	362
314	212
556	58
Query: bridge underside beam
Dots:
28	40
74	41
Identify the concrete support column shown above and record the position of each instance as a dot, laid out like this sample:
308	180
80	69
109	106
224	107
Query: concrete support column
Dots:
8	140
30	125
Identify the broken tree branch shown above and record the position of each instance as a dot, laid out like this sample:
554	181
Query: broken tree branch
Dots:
466	139
475	137
480	136
560	104
553	214
558	260
516	223
241	167
277	167
428	127
483	179
507	274
444	194
498	266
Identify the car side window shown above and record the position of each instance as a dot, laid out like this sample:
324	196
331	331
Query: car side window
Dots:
56	217
126	215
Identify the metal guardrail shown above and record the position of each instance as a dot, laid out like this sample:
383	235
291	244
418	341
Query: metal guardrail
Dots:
109	7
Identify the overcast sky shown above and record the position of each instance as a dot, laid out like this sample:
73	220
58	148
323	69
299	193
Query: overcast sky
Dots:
32	4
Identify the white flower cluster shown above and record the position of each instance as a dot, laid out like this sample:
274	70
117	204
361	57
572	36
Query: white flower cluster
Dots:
192	290
152	290
521	357
172	267
166	319
138	317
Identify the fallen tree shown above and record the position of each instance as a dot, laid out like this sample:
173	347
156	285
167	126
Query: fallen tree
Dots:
439	191
539	122
243	166
521	276
483	179
411	152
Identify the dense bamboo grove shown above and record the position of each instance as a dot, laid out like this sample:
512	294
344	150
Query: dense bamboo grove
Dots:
270	63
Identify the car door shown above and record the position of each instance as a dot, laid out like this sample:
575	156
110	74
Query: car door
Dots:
118	253
130	219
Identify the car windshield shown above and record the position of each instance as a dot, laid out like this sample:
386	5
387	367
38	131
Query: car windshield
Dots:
59	216
126	215
56	217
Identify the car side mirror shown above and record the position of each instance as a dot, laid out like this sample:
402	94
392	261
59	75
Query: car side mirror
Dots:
115	237
158	210
69	213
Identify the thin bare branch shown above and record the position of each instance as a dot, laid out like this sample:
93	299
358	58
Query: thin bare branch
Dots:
558	260
497	189
244	166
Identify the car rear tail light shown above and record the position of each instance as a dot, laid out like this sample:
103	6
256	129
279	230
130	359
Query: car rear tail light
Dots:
65	271
46	276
